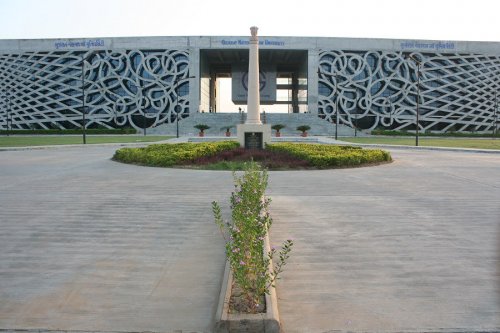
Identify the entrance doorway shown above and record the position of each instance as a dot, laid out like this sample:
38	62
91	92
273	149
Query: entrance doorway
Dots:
225	104
283	79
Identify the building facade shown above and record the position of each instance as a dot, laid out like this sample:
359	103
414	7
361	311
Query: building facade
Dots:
144	82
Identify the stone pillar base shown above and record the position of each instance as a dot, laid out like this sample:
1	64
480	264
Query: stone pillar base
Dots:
253	134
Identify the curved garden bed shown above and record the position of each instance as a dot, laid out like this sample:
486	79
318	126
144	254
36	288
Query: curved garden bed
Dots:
227	155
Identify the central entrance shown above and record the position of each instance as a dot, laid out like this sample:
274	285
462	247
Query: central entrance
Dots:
283	80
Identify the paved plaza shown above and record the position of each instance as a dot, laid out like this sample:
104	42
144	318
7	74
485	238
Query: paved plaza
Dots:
409	246
94	245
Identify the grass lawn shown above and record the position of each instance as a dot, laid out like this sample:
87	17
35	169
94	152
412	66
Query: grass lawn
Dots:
436	142
43	140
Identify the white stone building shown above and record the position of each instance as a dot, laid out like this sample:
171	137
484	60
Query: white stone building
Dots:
146	81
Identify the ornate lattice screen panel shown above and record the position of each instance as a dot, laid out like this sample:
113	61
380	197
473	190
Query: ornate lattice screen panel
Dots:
129	88
379	89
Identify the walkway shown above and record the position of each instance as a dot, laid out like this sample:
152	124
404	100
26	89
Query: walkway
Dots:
90	244
409	246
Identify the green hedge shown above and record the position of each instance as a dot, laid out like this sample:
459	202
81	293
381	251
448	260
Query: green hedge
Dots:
167	155
447	134
327	156
70	131
318	155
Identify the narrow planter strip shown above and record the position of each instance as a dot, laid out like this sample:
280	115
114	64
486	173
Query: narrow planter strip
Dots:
226	322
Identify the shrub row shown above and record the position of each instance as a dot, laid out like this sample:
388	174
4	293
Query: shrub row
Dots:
315	155
327	156
447	134
167	155
70	131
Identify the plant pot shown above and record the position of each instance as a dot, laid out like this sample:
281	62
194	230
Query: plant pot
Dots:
201	134
304	134
226	322
278	134
228	133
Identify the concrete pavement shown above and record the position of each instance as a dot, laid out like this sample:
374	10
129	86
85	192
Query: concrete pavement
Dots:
409	246
90	244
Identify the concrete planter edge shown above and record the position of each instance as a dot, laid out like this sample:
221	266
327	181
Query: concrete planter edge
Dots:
226	322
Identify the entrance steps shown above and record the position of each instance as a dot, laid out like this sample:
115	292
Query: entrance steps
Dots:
219	121
297	139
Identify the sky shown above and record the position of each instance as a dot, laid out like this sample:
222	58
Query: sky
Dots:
419	19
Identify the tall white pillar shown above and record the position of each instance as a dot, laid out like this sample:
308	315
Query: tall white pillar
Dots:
253	134
253	99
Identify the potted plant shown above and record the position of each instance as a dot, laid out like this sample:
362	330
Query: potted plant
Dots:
303	129
202	128
277	128
228	129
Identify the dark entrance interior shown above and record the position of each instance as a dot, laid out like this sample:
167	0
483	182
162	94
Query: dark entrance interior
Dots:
287	67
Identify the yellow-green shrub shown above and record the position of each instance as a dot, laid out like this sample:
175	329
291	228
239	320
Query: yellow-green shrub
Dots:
325	156
166	155
318	155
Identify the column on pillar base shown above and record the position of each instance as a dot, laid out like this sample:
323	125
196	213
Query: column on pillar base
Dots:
253	134
253	99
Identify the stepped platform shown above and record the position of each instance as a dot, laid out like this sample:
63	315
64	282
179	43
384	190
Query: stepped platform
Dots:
218	123
273	139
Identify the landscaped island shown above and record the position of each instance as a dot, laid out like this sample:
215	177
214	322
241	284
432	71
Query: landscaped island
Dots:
227	155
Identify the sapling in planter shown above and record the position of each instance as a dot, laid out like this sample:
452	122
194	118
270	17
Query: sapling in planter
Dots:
245	235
